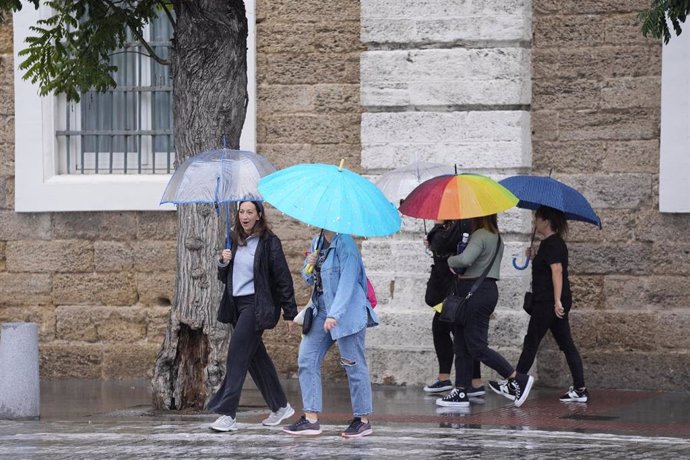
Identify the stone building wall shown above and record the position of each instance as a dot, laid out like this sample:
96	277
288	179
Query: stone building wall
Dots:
595	121
448	82
308	111
567	87
99	284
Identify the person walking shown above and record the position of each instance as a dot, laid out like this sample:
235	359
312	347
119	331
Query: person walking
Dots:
342	316
551	304
442	240
484	251
258	284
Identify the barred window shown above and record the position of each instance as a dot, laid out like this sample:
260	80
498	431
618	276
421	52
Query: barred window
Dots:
128	129
113	151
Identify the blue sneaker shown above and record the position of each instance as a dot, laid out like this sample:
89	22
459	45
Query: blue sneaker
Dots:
303	427
357	429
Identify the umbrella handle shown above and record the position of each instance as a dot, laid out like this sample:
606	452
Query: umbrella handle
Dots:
228	244
518	267
310	267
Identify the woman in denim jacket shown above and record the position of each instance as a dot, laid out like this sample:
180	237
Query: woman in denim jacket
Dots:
342	316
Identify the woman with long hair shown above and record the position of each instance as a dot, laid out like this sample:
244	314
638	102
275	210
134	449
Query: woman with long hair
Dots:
258	284
551	303
484	251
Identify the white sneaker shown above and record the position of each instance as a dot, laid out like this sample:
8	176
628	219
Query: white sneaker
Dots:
224	423
278	416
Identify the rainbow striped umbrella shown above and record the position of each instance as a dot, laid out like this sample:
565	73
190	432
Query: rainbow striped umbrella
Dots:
460	196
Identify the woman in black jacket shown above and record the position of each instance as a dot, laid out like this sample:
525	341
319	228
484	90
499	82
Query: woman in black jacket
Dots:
442	240
258	284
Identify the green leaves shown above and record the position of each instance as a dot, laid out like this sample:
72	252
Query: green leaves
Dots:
69	51
654	20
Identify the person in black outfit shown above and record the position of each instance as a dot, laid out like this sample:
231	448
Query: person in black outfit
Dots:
258	284
442	240
552	301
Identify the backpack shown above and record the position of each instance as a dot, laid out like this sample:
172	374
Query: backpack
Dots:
371	294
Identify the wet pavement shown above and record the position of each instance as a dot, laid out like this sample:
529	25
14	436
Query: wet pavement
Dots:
88	419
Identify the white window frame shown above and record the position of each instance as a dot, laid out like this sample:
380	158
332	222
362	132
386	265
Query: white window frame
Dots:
38	186
674	161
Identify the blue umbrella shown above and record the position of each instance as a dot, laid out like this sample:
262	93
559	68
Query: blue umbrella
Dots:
218	176
536	191
331	198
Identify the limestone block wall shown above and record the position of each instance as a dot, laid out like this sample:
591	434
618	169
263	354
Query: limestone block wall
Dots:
595	121
308	111
449	82
99	284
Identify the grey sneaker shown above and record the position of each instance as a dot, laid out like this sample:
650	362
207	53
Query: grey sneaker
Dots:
224	423
357	429
303	427
278	416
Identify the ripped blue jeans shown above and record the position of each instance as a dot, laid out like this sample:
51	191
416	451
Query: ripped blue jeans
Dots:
312	351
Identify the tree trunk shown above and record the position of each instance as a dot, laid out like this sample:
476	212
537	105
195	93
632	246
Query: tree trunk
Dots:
209	68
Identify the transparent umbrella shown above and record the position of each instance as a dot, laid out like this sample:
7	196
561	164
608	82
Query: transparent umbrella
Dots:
218	177
398	183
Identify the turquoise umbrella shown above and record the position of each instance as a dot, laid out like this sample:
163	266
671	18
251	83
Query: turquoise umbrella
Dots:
331	198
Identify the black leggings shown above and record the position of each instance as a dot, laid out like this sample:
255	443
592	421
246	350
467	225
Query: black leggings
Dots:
544	319
443	344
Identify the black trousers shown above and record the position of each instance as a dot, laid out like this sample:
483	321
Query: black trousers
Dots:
544	319
472	338
443	344
247	353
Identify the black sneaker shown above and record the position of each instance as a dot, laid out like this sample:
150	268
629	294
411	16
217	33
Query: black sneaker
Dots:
303	427
439	386
521	386
573	395
357	429
502	388
456	398
476	392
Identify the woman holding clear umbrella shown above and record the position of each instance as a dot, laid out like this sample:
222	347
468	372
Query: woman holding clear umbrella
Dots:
258	284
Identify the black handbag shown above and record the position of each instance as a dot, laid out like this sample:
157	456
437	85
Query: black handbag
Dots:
455	308
527	304
308	320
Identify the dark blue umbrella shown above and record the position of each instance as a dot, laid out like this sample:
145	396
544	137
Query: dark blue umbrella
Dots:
536	191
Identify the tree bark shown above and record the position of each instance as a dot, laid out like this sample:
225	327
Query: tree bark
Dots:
209	68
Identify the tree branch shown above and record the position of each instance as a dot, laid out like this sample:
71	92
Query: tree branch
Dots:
152	54
167	12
